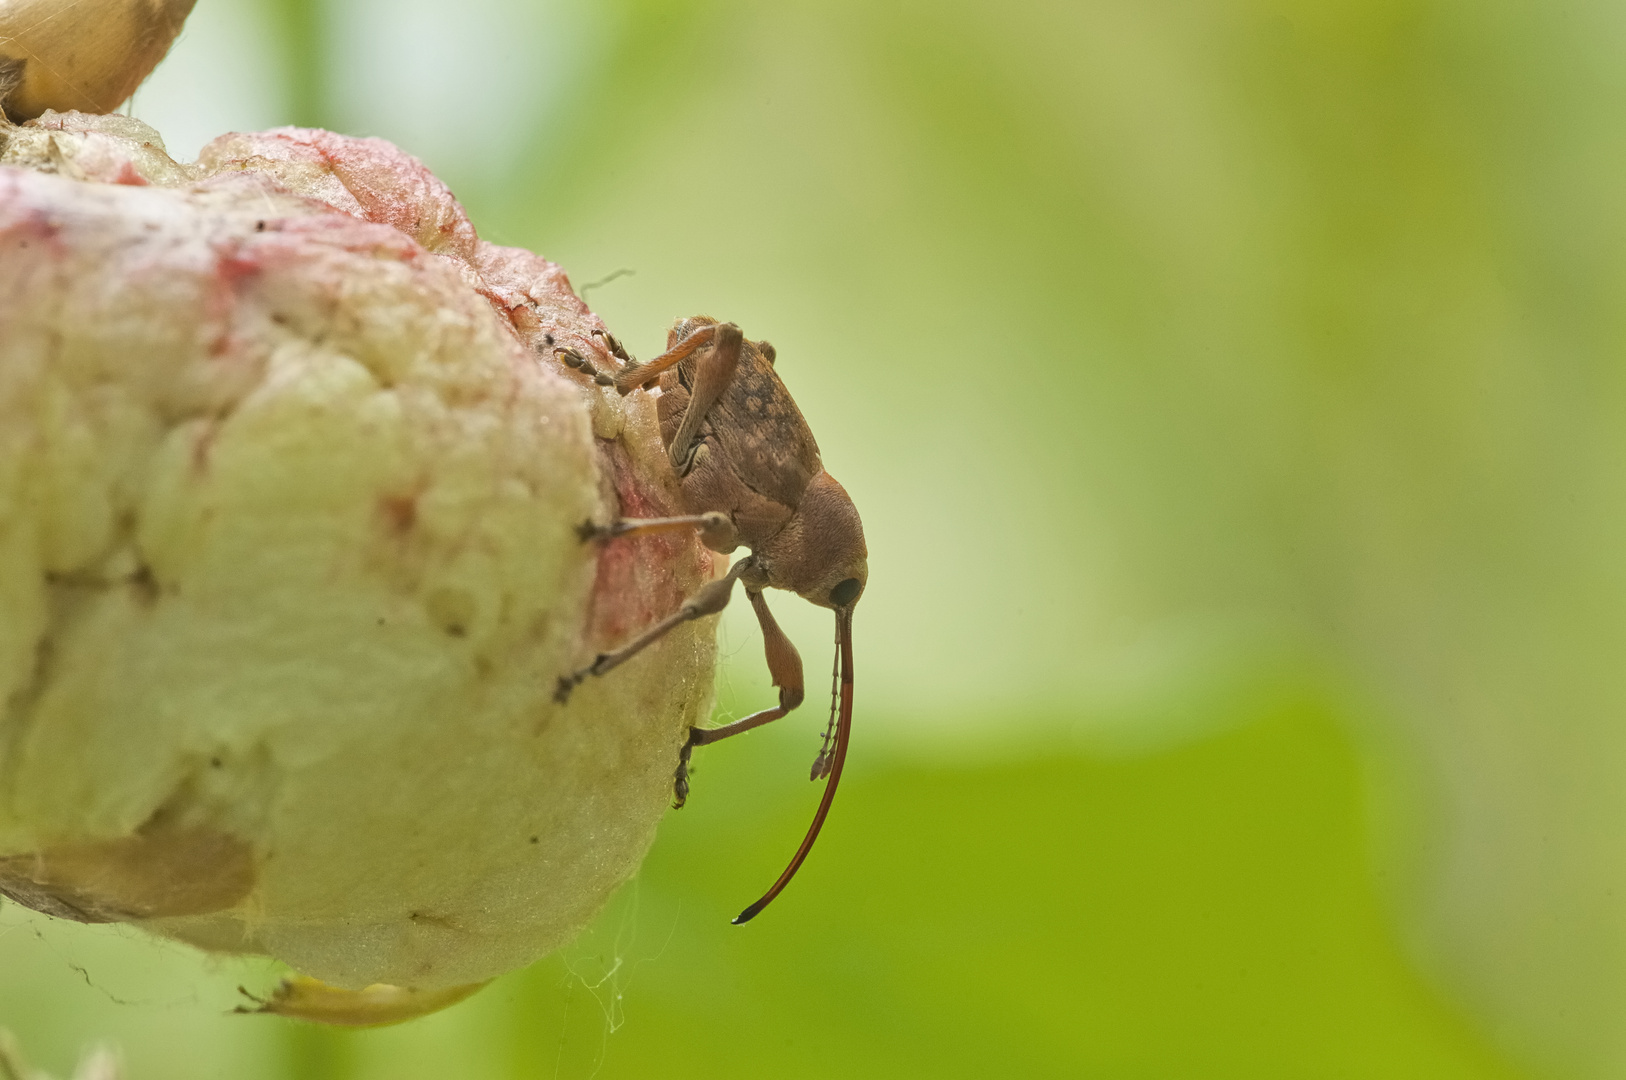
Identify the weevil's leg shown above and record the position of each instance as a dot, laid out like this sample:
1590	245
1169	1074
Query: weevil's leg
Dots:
784	664
571	358
708	601
617	350
712	522
714	372
631	378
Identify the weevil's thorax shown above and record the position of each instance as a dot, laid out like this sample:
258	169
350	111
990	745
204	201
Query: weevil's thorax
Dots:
755	456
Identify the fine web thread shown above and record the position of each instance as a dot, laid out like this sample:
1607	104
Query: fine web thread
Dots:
608	989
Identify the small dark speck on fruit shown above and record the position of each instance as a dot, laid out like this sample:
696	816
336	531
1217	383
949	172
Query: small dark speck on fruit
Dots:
456	630
547	339
536	839
216	763
259	226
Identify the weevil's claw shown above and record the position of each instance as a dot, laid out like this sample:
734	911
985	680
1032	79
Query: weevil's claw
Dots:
571	358
614	346
680	778
567	683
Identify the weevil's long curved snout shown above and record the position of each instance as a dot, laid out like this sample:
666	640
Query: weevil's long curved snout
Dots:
844	723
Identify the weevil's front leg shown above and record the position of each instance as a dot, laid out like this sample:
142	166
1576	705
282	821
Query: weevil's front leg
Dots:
571	358
632	377
784	664
714	371
712	522
708	601
717	531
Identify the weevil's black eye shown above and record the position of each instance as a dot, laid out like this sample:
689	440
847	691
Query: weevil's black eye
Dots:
846	592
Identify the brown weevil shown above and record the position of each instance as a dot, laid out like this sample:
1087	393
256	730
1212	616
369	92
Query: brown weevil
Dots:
750	475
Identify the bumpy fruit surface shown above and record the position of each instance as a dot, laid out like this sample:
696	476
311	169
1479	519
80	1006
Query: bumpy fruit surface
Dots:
289	489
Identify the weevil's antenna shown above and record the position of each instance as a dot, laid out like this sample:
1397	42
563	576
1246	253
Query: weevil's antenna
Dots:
844	646
821	764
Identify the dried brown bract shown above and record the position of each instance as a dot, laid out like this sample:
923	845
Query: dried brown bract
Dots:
88	55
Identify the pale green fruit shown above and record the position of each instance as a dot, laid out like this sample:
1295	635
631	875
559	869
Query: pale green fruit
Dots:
289	564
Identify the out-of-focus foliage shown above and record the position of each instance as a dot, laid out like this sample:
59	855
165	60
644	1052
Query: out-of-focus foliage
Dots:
1176	353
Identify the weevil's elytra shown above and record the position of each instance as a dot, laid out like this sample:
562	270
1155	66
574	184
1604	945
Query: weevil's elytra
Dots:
750	476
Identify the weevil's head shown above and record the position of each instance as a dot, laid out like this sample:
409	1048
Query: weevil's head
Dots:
820	553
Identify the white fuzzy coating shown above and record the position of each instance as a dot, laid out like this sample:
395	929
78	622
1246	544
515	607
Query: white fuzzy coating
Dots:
289	570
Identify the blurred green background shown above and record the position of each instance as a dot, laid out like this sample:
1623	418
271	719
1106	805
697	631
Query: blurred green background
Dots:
1233	391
